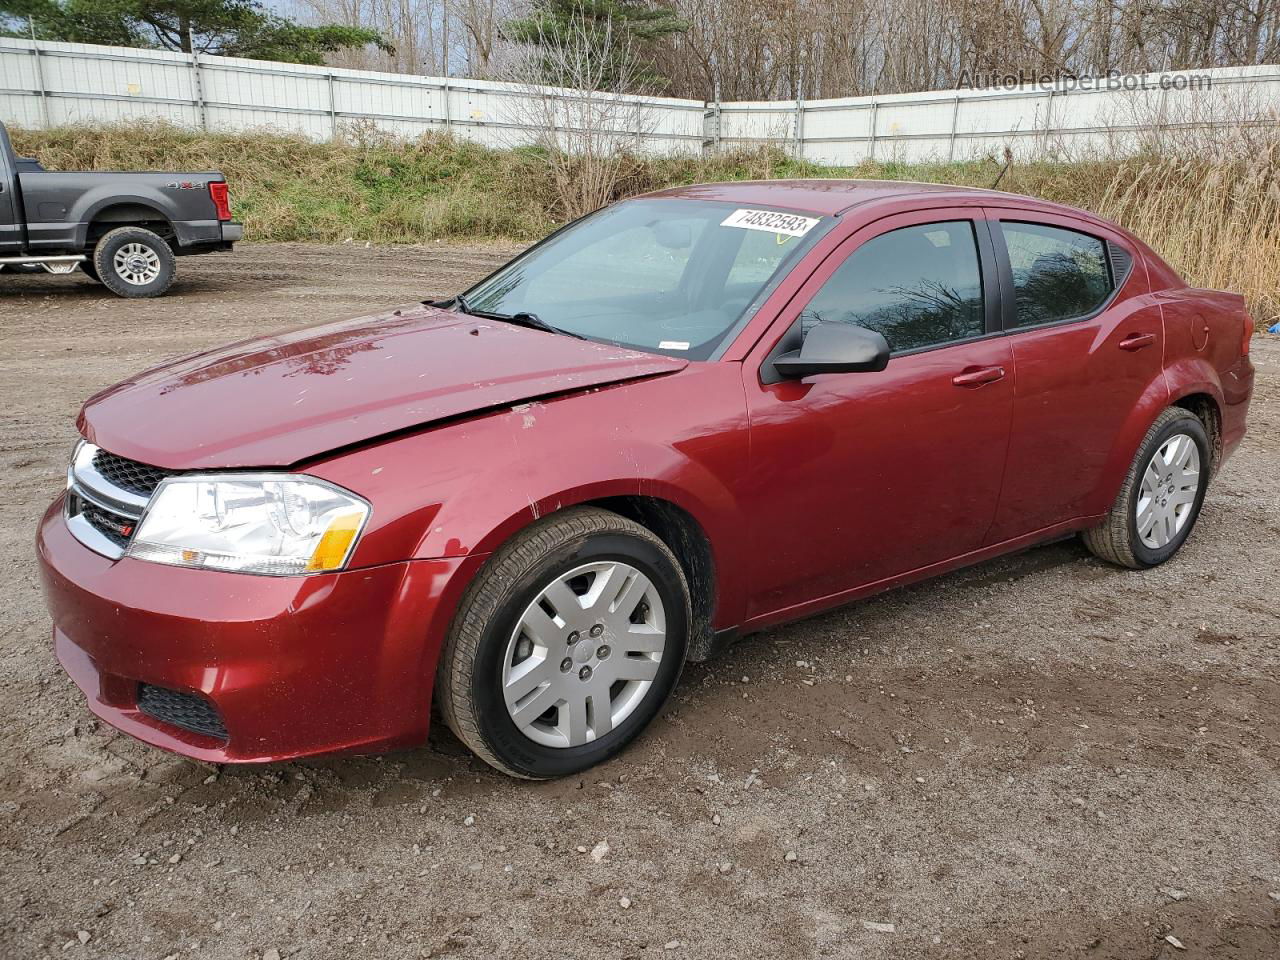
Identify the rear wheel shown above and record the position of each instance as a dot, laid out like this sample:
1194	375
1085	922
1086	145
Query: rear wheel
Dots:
1162	494
133	262
566	645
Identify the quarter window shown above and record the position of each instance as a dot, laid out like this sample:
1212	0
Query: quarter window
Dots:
918	286
1057	274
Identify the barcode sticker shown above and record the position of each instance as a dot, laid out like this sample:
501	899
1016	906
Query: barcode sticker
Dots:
770	221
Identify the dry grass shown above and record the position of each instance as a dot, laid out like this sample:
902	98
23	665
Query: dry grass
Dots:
1215	219
1217	223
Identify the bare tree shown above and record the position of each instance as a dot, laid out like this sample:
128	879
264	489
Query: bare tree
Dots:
587	133
480	20
782	49
753	49
429	36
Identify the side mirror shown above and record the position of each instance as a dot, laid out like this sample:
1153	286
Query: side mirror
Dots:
833	347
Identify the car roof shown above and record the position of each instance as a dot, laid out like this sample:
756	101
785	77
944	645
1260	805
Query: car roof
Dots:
834	197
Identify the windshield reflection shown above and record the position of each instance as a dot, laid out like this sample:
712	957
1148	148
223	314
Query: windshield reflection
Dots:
672	276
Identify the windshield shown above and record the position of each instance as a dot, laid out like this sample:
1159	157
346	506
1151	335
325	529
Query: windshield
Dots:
671	276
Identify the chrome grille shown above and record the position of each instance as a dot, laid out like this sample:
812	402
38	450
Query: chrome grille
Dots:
106	496
115	527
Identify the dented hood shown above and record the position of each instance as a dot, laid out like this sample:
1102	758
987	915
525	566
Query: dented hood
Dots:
278	400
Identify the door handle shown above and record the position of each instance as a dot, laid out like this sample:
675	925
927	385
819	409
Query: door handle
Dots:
977	376
1136	341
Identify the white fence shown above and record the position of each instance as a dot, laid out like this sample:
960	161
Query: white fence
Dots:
55	84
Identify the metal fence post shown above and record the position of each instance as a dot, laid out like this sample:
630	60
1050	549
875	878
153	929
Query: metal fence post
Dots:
719	111
198	85
798	145
1048	119
44	94
1162	118
955	119
333	110
711	119
875	108
448	111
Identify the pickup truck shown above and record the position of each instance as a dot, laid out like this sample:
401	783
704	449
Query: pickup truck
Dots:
124	230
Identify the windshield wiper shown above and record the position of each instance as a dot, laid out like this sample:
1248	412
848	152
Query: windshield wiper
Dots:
523	318
527	319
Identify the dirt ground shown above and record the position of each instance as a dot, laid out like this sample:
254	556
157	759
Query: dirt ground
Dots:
1041	756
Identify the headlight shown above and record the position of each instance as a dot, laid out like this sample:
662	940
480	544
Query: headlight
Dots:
272	524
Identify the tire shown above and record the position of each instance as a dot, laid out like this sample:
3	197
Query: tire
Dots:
89	270
1120	539
505	621
147	273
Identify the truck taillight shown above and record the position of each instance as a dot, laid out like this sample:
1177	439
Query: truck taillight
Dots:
221	200
1248	334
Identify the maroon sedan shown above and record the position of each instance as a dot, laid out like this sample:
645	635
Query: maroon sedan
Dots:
684	418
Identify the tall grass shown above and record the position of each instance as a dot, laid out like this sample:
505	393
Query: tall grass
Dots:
1215	219
1217	223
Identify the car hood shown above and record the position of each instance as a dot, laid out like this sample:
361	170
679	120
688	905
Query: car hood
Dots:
279	400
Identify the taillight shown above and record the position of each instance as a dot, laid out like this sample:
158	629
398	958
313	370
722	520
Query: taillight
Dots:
1248	334
221	200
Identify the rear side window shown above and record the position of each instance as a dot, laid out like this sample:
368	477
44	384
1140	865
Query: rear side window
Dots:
918	286
1057	274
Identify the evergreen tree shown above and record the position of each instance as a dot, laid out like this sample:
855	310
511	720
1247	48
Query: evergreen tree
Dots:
613	33
233	28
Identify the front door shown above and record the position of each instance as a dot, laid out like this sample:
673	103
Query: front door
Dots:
859	477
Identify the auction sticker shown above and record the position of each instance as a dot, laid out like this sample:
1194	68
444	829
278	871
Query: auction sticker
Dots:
770	221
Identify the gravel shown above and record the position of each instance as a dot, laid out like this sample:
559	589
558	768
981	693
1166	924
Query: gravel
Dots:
1091	740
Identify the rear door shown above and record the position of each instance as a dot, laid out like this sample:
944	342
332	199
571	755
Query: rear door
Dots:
858	477
1087	343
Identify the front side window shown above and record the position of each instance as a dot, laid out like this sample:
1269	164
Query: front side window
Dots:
669	275
919	286
1057	274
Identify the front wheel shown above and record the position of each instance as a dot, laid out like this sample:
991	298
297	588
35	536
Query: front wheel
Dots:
133	262
566	645
1160	501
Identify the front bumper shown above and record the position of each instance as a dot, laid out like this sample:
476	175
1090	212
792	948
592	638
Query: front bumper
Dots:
294	666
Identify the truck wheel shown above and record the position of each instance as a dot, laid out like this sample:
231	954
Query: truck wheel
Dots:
1159	503
133	262
565	645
